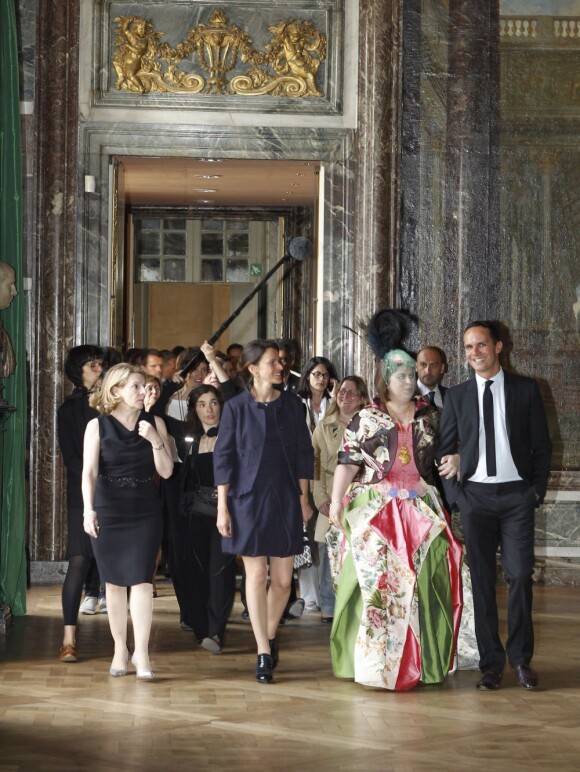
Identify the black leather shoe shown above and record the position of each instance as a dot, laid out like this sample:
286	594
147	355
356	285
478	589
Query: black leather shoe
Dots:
264	669
527	677
274	651
490	680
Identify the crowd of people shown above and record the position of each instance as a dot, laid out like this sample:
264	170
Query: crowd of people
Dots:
335	500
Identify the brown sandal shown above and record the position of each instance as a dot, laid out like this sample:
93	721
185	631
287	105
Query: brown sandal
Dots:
68	653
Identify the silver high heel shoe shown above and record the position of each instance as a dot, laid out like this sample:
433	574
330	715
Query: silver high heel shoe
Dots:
142	675
117	672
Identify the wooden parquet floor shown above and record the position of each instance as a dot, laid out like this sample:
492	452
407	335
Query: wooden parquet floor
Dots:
207	712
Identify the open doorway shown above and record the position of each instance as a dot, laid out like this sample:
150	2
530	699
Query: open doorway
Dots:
193	237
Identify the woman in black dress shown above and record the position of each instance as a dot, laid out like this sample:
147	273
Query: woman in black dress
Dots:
208	595
83	367
263	461
124	449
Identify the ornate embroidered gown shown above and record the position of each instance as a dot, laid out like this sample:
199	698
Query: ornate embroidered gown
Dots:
399	595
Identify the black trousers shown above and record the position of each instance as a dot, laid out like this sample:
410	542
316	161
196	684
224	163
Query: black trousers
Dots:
213	579
179	550
500	515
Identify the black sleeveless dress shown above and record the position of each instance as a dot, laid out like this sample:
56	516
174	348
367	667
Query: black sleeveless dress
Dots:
127	503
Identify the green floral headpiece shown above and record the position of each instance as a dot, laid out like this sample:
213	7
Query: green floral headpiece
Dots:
394	359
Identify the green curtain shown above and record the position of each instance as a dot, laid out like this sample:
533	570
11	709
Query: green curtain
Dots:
13	522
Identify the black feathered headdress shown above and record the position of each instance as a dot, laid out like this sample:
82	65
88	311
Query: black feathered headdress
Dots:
385	332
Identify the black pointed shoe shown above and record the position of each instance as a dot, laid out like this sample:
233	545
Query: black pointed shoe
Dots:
264	669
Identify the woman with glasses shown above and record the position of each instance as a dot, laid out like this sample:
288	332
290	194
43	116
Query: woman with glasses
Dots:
83	367
351	396
263	462
317	386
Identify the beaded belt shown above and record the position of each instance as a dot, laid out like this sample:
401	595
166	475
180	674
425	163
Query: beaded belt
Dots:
126	482
402	493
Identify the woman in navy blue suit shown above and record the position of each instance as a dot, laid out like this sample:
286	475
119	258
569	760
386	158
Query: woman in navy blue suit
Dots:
263	461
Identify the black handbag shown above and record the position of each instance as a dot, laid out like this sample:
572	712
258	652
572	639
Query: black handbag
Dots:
196	499
201	501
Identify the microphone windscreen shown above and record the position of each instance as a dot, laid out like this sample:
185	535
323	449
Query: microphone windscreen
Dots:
300	248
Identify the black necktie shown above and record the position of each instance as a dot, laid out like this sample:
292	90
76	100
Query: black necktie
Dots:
431	397
489	430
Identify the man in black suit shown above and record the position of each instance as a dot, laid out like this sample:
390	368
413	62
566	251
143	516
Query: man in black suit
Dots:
287	357
495	459
431	367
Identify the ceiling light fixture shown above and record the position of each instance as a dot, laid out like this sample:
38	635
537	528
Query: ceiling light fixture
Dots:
208	176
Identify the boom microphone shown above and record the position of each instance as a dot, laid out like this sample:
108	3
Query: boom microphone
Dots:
299	249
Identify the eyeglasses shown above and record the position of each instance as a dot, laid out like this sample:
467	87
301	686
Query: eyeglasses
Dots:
316	374
349	393
94	364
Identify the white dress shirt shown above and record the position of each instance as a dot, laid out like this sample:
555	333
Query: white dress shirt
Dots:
425	392
506	470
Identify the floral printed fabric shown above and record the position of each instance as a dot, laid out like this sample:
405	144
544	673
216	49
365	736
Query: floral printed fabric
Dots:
397	563
370	442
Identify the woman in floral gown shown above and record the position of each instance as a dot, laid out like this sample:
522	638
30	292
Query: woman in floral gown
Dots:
399	595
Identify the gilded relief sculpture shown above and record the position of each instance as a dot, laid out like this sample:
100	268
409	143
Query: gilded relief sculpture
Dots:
295	54
136	46
288	66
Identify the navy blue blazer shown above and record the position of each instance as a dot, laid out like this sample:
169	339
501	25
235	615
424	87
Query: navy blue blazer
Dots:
526	425
240	443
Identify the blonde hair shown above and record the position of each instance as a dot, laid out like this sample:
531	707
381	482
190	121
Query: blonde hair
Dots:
104	400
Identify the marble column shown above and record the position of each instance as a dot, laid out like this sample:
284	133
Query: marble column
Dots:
471	169
376	160
54	274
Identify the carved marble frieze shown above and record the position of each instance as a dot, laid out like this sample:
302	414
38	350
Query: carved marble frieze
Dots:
252	57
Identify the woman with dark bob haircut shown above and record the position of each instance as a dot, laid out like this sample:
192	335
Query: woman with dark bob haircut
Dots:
83	367
263	461
206	592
